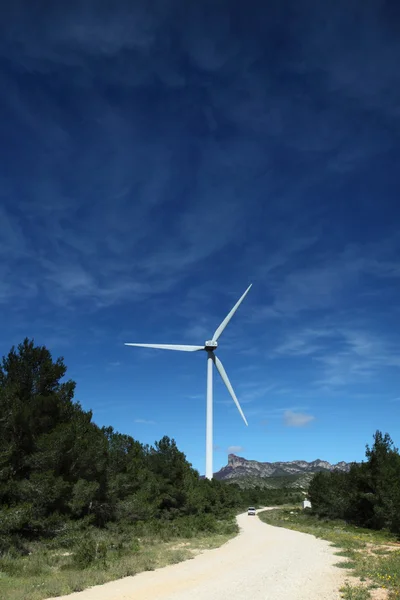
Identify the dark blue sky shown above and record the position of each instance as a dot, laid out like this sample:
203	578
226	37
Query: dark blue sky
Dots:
159	156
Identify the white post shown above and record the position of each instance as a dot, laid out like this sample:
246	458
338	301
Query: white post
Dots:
209	419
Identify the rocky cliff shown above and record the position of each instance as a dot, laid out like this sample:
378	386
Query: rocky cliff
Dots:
297	472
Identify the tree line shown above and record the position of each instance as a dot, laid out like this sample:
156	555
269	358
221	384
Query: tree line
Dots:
368	495
58	466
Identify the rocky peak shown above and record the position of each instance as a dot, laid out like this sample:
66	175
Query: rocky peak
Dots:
236	461
239	467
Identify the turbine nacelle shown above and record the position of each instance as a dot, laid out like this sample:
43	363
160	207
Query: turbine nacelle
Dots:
210	345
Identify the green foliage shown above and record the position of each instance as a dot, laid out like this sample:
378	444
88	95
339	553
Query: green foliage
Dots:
85	552
369	495
89	551
296	482
355	592
61	475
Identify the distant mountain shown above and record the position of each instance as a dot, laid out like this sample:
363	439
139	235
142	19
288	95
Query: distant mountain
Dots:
297	473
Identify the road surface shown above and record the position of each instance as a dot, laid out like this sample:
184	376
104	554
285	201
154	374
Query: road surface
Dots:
261	563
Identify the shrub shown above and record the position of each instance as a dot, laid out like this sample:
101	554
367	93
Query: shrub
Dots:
85	553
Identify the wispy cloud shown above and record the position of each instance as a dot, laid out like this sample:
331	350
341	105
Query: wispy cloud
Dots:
256	391
197	396
234	449
343	353
113	366
293	419
74	267
198	332
361	357
332	280
302	343
175	193
145	421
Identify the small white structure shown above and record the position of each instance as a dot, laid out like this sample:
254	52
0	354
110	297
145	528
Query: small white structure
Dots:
306	504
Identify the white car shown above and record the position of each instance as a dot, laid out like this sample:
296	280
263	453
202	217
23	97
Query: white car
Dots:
251	511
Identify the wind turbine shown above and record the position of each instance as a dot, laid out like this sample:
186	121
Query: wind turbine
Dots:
209	346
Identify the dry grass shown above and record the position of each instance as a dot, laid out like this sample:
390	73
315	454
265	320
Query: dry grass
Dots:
50	573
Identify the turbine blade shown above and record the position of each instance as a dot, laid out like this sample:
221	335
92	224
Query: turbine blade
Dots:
181	348
229	316
222	372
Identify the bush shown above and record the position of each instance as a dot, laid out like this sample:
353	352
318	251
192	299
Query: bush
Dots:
85	553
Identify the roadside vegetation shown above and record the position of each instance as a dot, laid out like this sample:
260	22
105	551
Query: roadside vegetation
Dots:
82	558
80	504
359	513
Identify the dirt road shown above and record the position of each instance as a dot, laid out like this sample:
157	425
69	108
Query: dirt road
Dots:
261	563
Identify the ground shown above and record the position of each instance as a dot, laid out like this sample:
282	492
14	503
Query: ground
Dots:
261	563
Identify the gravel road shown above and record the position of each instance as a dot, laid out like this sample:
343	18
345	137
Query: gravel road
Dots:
261	563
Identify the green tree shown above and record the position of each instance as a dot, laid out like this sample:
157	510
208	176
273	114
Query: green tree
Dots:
384	483
368	495
32	402
173	472
48	445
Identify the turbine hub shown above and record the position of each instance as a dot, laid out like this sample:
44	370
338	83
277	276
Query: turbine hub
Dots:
210	345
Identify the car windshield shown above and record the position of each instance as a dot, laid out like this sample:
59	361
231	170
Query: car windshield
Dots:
251	508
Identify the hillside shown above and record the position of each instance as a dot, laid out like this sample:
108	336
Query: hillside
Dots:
294	474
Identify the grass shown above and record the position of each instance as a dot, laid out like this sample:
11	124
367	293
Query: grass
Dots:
355	592
374	556
74	562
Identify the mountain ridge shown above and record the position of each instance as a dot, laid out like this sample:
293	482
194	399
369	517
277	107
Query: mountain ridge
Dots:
296	473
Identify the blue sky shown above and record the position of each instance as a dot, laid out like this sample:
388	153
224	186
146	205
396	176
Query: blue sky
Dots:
157	157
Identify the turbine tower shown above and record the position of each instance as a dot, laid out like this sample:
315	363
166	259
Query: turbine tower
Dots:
210	347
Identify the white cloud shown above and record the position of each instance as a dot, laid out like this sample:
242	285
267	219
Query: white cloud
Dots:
256	392
361	356
293	419
89	238
329	280
250	392
234	449
145	421
196	396
197	332
113	365
303	342
340	353
84	258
